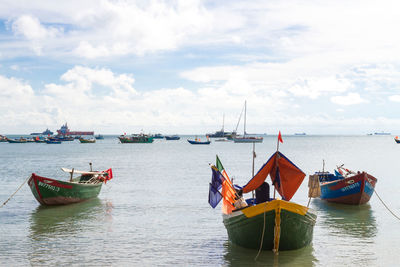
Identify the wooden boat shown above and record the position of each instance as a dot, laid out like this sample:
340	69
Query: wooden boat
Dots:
50	142
3	138
221	140
87	141
197	141
55	192
136	138
99	137
246	138
158	136
16	141
346	187
172	137
397	140
264	223
39	140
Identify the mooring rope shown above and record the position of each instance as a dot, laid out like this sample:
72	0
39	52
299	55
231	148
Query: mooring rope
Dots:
15	192
398	218
262	236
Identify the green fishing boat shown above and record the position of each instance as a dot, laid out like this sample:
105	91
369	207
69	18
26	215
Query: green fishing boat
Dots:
87	141
294	222
136	138
264	222
55	192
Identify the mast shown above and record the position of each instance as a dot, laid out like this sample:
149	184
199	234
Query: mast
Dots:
223	122
244	130
254	155
240	116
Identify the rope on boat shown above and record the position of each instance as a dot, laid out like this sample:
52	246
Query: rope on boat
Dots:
397	217
262	236
15	191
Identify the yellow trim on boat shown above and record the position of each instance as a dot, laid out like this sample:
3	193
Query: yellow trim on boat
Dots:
273	205
277	230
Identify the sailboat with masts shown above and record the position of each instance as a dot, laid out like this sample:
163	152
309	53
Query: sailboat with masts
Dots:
246	138
220	133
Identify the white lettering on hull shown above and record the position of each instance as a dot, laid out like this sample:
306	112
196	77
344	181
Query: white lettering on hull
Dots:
51	187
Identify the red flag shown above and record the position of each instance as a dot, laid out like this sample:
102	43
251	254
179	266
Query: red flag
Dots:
109	175
280	137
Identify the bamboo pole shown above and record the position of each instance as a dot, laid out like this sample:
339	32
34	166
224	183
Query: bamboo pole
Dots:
72	174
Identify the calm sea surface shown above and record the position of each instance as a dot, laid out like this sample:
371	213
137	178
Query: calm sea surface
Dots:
155	210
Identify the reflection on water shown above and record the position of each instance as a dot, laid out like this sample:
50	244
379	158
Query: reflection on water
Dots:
356	221
62	231
239	256
50	220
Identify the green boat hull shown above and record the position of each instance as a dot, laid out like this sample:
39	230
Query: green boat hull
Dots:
54	192
136	140
296	230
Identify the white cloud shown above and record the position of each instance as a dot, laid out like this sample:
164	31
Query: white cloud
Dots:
349	99
314	87
30	28
394	98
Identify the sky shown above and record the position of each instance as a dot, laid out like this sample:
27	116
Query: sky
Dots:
109	66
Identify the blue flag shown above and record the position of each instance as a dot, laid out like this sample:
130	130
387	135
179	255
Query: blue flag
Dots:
214	196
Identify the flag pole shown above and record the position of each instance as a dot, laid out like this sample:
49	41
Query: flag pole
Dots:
252	173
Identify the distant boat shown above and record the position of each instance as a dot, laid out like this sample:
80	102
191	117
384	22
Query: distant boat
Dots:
220	133
158	136
135	138
197	141
172	137
246	138
50	142
300	134
61	138
87	141
397	140
99	137
46	132
381	133
17	141
55	192
346	187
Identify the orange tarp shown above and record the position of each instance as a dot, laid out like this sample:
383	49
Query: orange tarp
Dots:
260	177
290	177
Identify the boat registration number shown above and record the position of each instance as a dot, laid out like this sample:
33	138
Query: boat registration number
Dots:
51	187
349	187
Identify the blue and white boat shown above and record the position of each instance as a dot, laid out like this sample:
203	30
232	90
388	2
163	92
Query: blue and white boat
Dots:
346	187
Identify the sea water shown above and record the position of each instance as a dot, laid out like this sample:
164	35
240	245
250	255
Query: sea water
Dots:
155	210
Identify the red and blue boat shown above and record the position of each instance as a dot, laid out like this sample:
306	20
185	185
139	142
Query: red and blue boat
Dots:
346	187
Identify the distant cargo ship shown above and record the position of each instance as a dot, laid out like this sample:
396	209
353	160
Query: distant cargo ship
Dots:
47	132
64	130
382	133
